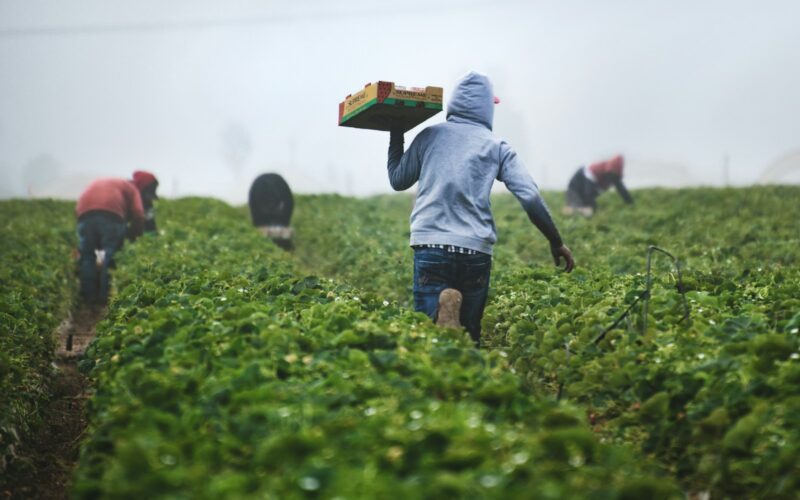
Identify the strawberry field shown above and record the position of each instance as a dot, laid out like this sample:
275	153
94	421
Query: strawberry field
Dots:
228	368
715	399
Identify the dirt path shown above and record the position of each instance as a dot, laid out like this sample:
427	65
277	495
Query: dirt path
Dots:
50	453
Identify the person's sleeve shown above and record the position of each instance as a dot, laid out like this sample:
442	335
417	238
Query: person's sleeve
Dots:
623	191
135	211
517	179
403	168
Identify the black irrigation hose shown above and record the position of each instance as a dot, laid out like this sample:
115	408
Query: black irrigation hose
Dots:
681	288
643	295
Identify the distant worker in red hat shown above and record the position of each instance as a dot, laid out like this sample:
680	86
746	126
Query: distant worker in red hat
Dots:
591	181
108	211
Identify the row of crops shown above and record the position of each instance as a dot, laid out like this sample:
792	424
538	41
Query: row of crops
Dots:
228	368
36	294
222	372
715	400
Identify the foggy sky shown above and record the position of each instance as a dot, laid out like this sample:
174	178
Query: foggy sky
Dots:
208	94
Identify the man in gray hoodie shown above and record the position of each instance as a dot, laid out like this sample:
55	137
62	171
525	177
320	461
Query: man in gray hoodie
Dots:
452	228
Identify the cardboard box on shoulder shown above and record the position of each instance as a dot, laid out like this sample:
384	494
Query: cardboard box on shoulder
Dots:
384	106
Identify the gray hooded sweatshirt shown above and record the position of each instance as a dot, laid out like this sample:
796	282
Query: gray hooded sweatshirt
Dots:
456	163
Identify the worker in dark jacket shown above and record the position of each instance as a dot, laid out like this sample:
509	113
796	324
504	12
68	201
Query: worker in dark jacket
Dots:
107	211
147	184
591	181
271	205
454	165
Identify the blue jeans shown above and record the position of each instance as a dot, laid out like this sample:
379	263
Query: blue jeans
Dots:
436	269
98	231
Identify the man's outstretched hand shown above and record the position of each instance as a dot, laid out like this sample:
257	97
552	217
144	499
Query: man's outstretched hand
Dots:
563	252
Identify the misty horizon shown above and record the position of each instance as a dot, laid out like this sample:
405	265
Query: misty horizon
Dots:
207	96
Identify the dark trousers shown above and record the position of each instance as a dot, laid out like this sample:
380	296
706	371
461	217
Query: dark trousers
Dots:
98	231
436	269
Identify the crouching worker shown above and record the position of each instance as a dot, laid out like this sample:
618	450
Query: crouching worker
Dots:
271	206
108	211
452	228
147	185
591	181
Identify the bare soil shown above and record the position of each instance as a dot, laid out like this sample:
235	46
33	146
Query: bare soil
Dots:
48	455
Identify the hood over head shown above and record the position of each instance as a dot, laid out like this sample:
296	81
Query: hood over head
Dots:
143	179
616	164
611	166
472	101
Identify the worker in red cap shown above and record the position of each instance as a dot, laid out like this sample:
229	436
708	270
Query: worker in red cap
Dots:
591	181
147	184
109	210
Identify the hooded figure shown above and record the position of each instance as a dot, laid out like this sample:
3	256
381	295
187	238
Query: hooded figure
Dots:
271	205
147	184
591	181
452	229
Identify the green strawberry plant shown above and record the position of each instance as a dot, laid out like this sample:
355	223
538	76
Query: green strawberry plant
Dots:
221	371
37	287
712	398
229	368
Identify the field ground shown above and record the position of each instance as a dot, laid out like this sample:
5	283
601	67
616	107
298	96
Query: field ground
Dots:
47	458
227	367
